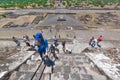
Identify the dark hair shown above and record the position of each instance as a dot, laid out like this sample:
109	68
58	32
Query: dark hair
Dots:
34	36
13	37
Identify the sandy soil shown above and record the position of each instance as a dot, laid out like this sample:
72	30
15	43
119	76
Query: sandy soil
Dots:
18	21
100	20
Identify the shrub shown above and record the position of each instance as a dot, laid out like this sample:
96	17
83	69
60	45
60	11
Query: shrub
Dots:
3	15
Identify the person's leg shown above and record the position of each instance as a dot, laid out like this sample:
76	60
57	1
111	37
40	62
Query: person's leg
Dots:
90	43
54	55
64	49
57	50
41	52
18	43
93	44
98	45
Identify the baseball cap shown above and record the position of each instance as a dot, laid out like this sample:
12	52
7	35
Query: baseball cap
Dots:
38	36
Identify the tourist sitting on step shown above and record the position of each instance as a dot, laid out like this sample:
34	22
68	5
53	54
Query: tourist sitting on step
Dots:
26	40
91	41
100	38
95	42
16	41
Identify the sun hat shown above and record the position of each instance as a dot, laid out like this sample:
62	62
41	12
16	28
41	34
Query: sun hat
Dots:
38	36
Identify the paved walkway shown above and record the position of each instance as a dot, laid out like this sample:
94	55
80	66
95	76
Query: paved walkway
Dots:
26	11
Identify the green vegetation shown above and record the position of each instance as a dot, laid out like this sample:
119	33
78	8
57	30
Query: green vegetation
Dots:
101	3
44	3
3	15
21	3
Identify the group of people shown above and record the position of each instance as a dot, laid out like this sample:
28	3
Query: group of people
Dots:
43	48
42	44
25	39
95	42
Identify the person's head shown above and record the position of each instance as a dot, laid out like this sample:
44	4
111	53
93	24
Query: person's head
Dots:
100	35
13	37
38	38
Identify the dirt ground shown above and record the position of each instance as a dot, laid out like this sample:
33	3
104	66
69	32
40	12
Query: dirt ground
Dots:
100	20
17	21
91	20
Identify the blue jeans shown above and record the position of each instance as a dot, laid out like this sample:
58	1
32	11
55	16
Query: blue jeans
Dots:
98	44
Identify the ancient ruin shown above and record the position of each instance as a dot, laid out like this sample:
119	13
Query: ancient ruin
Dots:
74	25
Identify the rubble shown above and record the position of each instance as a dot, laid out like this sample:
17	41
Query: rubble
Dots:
7	51
113	54
91	49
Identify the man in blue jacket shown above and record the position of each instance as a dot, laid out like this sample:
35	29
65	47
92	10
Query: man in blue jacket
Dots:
42	44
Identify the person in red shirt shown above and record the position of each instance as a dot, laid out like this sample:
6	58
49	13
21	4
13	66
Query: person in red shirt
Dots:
100	38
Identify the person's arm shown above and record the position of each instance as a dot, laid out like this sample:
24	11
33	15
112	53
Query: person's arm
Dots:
37	43
46	47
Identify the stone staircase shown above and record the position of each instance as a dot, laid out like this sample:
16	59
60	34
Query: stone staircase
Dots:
67	67
30	70
75	67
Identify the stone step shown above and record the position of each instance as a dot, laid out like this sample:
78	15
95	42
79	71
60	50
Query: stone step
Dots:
46	76
28	68
13	62
65	76
72	59
28	76
75	67
76	76
32	62
26	71
67	67
21	75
